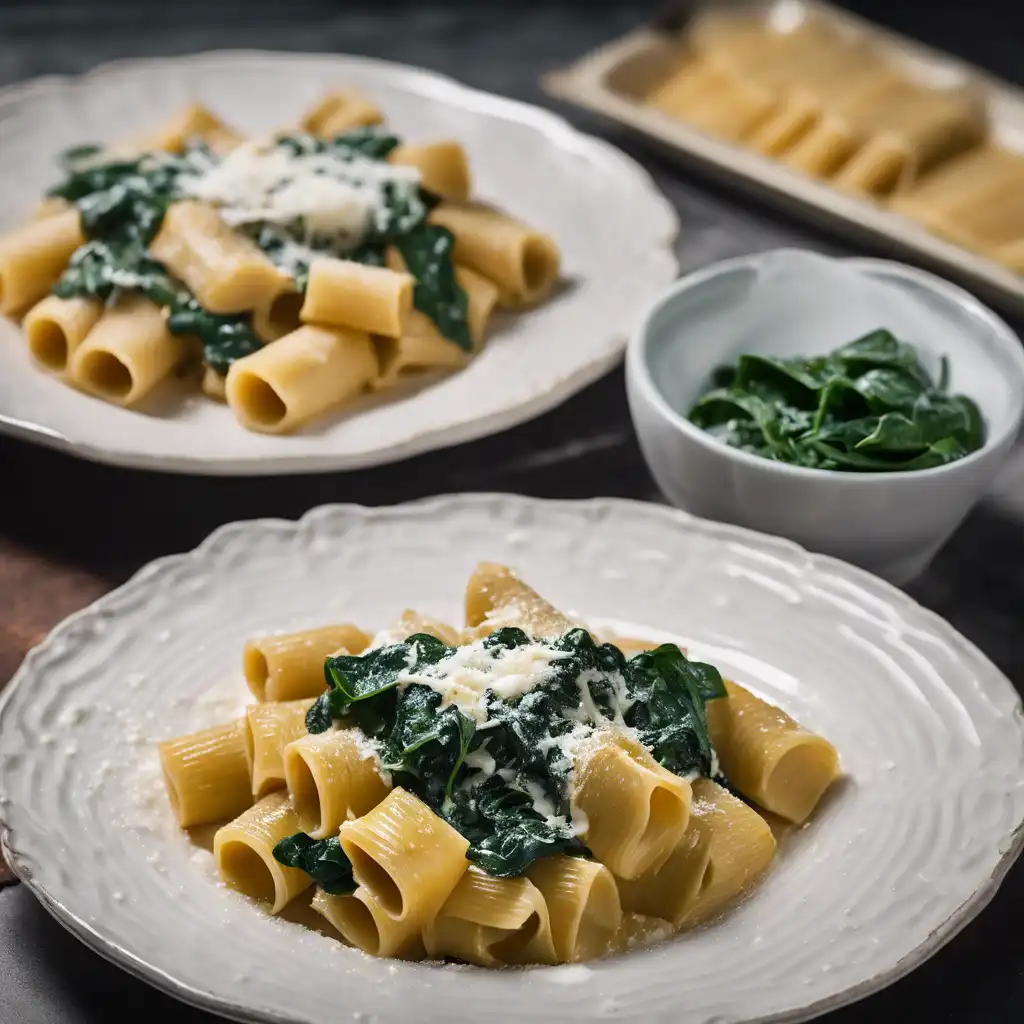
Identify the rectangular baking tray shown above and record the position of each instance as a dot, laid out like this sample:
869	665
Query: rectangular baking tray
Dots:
613	80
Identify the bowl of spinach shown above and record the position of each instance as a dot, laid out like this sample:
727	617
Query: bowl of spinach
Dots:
857	406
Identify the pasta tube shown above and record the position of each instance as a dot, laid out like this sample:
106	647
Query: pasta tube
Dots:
364	923
55	327
207	774
33	256
738	848
290	666
331	777
496	597
422	346
406	858
342	293
301	376
127	353
769	757
244	853
637	810
523	263
443	167
269	728
224	270
340	111
277	312
583	904
192	122
492	922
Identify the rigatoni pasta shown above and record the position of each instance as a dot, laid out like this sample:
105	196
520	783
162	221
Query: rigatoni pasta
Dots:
292	272
514	792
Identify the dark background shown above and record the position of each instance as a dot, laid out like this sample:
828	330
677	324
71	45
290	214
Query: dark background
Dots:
70	530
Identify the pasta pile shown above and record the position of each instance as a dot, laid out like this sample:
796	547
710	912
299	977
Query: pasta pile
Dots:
831	105
510	793
289	275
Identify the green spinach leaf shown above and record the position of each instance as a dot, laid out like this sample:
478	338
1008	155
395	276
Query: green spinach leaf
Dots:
322	859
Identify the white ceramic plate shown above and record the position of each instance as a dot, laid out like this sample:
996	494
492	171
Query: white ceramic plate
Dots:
615	229
899	857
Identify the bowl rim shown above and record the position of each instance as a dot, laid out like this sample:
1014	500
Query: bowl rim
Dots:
639	372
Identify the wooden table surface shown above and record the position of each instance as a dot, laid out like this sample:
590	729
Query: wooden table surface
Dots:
69	530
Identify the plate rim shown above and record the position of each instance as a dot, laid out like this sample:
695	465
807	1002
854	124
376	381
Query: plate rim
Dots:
1010	847
426	82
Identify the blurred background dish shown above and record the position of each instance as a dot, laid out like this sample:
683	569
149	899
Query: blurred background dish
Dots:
789	303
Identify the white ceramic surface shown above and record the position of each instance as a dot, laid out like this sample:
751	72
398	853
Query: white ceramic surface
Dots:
900	856
615	229
787	303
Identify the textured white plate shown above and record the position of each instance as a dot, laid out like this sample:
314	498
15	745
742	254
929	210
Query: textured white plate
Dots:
899	857
615	229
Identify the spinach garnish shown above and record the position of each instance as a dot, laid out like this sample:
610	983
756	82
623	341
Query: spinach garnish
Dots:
869	406
122	203
322	859
429	747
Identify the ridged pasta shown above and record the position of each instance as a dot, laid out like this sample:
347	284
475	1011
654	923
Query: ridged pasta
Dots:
290	666
583	905
522	262
55	327
496	596
768	757
443	167
364	923
331	777
299	377
244	853
492	922
406	858
207	774
33	256
269	728
637	811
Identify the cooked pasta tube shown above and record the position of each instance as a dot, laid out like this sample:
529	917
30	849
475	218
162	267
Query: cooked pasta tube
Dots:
846	112
443	167
496	597
669	891
492	922
243	851
224	270
637	810
406	857
769	757
207	774
926	127
979	177
343	293
583	904
423	347
739	848
269	728
299	377
33	256
364	923
332	777
127	353
523	263
55	327
212	384
290	666
192	122
339	111
277	312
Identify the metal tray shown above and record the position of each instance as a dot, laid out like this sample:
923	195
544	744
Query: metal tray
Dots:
614	79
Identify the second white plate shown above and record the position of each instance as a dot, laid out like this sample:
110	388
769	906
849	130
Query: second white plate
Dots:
615	229
906	850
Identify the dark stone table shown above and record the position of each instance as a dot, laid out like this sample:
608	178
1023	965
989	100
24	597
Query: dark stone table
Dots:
70	531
